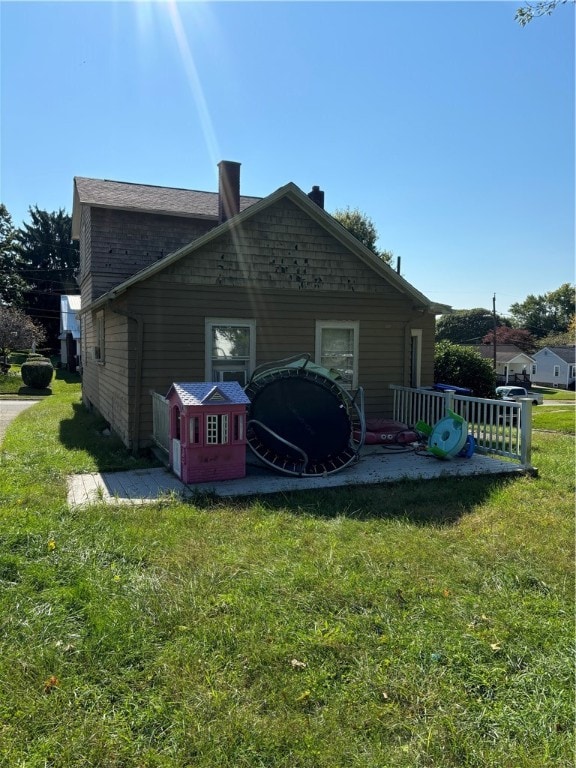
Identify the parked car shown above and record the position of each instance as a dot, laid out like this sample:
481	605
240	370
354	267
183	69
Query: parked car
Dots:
517	393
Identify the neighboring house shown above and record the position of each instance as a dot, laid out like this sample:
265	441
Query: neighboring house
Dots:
70	331
185	286
555	366
512	364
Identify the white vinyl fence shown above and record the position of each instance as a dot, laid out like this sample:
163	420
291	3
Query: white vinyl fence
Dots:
498	427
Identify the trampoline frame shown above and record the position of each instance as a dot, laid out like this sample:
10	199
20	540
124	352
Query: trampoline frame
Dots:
297	367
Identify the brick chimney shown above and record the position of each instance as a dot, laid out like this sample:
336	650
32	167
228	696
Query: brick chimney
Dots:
317	196
228	190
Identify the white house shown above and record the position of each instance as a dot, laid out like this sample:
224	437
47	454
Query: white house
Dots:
69	331
513	366
555	366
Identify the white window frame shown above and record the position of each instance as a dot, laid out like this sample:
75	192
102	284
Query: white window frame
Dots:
232	366
353	325
217	432
556	373
416	364
534	369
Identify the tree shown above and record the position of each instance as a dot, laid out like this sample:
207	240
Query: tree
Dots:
546	314
463	367
17	331
12	286
566	339
49	262
531	11
362	227
466	326
517	336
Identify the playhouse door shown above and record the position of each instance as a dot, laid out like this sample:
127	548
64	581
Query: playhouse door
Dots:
176	458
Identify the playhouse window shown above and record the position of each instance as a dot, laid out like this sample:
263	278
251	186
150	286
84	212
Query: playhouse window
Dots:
194	430
217	429
238	433
230	350
337	348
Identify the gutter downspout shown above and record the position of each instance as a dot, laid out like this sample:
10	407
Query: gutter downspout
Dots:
135	426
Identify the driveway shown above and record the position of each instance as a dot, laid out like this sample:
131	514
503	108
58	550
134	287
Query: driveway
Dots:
9	409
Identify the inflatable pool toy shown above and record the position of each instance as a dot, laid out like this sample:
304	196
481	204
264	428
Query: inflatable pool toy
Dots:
448	437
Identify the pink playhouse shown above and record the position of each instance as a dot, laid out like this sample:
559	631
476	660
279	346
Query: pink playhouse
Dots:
207	430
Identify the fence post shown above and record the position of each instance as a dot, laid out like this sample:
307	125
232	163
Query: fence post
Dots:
449	400
526	430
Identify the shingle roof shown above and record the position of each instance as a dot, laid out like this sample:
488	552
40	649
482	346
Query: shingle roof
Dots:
198	393
145	197
504	352
568	354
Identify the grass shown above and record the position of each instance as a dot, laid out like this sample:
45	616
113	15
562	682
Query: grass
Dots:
550	393
399	626
555	418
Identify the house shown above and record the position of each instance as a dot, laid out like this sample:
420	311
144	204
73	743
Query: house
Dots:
555	366
69	331
512	364
182	285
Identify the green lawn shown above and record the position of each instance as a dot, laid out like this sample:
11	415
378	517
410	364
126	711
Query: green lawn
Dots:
411	625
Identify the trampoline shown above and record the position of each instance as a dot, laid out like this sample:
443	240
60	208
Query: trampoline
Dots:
301	421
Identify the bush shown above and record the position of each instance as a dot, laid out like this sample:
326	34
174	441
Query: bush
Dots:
37	372
464	367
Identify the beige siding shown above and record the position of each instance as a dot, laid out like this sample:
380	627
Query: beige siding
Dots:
106	385
280	248
174	327
282	270
124	242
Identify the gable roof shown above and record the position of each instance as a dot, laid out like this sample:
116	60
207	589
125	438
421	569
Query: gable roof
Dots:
566	354
324	219
122	195
505	353
203	392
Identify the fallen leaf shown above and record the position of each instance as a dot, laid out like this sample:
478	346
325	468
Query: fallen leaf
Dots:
304	696
51	683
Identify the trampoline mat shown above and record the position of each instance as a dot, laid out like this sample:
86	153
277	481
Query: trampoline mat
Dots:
307	412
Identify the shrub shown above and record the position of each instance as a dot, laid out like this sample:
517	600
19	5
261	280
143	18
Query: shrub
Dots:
37	372
464	367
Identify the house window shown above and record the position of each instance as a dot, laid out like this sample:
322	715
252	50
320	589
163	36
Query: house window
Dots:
230	350
337	349
556	371
533	369
99	329
217	429
415	356
572	373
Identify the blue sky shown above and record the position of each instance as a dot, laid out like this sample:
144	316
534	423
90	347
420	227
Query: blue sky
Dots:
446	122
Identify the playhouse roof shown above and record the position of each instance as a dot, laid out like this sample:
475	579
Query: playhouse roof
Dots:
205	392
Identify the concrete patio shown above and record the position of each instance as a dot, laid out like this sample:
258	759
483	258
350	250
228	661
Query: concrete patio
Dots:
376	465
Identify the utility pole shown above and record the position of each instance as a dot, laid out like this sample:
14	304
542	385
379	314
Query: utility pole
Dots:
494	329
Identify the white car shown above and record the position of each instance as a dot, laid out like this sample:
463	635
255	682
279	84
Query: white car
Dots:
517	393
